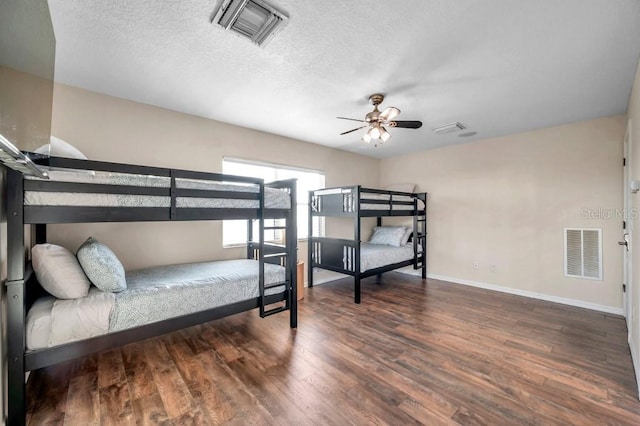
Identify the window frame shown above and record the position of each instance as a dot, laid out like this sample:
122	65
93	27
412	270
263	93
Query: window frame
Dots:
276	168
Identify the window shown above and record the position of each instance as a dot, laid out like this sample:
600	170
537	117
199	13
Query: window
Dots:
583	253
234	232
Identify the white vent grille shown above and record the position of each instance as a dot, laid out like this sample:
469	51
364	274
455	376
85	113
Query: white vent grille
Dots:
253	19
583	253
448	128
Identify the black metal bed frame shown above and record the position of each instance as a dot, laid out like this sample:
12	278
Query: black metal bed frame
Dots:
23	288
330	253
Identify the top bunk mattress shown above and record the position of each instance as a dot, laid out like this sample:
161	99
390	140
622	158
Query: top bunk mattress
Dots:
274	198
345	200
364	196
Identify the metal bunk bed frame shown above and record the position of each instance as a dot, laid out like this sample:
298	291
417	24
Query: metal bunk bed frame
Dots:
23	288
329	253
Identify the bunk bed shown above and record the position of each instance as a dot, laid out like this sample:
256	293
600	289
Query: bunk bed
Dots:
62	190
360	259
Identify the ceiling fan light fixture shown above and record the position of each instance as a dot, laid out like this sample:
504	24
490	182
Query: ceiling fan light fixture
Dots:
376	122
389	113
384	135
374	131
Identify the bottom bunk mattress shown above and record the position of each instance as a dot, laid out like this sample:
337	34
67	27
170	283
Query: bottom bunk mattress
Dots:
152	294
374	256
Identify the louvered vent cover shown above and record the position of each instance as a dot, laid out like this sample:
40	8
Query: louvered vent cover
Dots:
254	19
583	253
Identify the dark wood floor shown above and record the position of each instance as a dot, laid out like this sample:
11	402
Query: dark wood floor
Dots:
412	352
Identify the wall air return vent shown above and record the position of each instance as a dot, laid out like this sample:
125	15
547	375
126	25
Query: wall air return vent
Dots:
252	19
583	253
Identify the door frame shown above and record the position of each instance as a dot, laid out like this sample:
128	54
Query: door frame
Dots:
627	271
633	291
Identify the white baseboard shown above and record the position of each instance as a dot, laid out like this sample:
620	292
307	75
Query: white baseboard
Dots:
636	362
541	296
321	276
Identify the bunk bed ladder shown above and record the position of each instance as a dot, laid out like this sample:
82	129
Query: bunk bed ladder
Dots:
421	223
420	235
282	255
276	255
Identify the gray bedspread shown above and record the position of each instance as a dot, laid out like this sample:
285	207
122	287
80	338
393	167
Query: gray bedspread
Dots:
155	294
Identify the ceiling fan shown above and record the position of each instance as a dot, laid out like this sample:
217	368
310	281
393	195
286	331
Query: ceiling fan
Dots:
376	122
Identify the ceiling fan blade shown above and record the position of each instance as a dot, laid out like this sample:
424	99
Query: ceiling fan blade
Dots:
407	124
352	119
352	130
389	113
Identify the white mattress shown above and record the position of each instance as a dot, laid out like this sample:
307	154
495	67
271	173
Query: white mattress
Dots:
377	255
274	198
153	294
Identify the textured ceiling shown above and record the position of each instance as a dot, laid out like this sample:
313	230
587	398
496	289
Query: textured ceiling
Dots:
497	66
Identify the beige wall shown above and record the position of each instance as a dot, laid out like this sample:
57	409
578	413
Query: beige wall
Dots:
25	108
634	133
505	202
112	129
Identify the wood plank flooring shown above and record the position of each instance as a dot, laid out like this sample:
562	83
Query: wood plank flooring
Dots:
413	352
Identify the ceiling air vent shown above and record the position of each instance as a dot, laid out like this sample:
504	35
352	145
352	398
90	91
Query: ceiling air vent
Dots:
452	127
252	19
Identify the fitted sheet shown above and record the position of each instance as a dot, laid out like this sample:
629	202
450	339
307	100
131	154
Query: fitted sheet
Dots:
153	294
52	322
274	198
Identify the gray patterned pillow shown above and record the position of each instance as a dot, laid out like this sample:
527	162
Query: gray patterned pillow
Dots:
388	235
101	266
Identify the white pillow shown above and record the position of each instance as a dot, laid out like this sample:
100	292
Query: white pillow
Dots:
388	235
401	187
406	236
60	148
59	272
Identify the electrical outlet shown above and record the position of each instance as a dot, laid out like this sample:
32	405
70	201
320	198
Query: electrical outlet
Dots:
492	268
476	265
